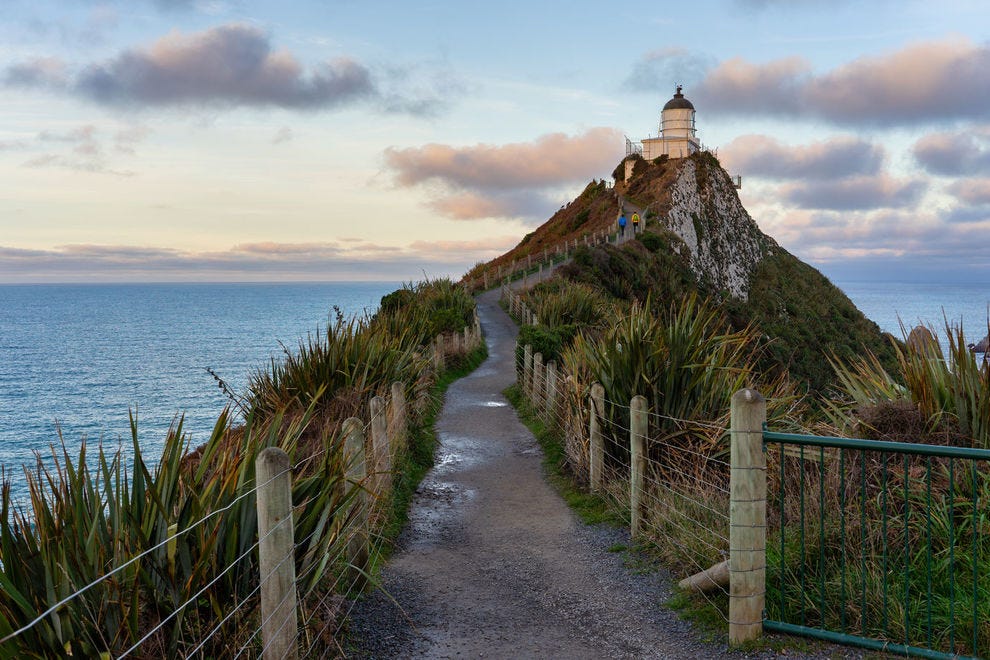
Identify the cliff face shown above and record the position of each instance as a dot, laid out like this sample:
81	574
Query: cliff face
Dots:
725	245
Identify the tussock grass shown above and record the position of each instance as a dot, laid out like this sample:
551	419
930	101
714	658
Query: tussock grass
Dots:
99	510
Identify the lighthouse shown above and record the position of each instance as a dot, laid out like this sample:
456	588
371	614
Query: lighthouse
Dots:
678	135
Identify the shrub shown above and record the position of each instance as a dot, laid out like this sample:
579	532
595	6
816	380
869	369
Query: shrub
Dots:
650	241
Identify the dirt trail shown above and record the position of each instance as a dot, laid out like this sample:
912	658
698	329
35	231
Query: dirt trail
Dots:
494	564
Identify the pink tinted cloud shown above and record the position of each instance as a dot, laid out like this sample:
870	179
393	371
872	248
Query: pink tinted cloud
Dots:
764	156
469	206
972	191
549	160
502	181
932	80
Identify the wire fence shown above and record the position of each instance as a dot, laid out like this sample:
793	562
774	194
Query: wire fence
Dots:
875	544
338	507
534	265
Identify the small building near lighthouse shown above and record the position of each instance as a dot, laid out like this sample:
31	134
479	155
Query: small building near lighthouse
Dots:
678	137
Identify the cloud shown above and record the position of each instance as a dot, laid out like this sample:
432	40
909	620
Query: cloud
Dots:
261	261
283	134
972	191
764	156
549	160
855	193
227	65
496	204
661	69
511	180
234	65
85	148
952	154
949	79
740	87
39	72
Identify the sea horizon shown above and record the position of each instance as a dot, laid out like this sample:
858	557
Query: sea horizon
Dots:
82	355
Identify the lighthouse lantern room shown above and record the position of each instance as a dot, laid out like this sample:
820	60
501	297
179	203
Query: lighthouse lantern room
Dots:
678	136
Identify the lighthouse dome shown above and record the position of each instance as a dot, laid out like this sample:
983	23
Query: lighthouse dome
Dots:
678	102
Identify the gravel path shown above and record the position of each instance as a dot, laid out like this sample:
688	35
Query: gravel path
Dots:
494	564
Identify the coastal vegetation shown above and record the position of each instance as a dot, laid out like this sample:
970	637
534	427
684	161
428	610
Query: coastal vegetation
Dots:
123	554
641	318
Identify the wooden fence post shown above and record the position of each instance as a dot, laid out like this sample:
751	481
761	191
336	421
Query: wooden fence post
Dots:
354	459
551	398
397	417
438	353
638	425
747	517
536	393
596	458
527	372
276	553
380	449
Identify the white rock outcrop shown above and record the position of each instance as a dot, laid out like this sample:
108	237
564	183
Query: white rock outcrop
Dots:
725	243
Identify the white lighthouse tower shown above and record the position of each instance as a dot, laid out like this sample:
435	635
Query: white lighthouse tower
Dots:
678	136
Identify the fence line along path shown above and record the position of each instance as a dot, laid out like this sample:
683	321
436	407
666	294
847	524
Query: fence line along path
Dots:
493	562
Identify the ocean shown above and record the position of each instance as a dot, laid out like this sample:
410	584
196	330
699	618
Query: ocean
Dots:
77	358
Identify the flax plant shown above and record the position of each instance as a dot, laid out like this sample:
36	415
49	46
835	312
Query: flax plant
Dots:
950	392
687	363
169	551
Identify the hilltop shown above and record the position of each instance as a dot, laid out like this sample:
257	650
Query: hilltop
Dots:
698	238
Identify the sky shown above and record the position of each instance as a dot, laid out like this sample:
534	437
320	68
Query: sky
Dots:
241	140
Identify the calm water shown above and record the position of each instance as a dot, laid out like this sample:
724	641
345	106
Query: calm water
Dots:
925	304
79	356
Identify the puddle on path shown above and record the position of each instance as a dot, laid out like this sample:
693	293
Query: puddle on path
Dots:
439	505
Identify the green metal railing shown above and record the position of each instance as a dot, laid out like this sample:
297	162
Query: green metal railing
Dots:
879	544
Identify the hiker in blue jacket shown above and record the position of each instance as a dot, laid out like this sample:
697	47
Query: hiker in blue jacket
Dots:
622	225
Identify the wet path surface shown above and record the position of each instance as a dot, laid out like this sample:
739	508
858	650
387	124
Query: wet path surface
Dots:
494	564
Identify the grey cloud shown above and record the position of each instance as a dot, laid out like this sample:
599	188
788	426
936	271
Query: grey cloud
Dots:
953	154
235	65
228	65
40	72
969	214
947	79
763	156
855	193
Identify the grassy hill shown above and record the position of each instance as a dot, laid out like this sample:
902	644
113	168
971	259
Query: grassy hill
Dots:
699	239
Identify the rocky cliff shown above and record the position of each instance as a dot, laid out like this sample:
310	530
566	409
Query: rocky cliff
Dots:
698	237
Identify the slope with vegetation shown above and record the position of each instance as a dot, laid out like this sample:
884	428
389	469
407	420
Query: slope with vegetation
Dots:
703	303
156	556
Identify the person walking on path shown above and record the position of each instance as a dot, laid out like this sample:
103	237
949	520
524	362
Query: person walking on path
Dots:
635	221
622	225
